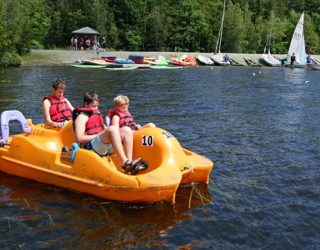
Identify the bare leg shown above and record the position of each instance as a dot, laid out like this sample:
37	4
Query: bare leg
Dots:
127	140
111	135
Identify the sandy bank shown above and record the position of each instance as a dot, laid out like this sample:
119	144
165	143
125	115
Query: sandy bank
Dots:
58	57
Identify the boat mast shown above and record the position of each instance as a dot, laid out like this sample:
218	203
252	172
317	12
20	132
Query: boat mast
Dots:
267	48
218	45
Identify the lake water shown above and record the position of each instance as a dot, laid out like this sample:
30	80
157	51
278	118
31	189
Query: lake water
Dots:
259	125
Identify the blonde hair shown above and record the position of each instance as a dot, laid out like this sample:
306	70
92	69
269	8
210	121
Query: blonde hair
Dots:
121	100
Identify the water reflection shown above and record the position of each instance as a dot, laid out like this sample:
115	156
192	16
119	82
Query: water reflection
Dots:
62	218
261	130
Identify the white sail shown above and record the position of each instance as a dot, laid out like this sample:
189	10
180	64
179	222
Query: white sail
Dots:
297	44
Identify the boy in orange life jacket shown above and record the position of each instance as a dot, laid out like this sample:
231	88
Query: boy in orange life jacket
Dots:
121	117
90	132
56	108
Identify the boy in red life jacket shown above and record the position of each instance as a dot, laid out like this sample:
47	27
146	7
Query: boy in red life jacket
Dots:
93	135
121	117
56	108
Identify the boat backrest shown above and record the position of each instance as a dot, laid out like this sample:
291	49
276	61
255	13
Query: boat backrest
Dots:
11	115
67	134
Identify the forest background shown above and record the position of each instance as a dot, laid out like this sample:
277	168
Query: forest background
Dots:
153	25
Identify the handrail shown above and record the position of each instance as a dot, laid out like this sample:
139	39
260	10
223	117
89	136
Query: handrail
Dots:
11	115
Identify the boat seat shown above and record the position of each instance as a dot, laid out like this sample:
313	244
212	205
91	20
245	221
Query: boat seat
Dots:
67	134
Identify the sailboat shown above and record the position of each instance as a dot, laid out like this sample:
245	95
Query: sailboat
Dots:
218	58
297	46
266	57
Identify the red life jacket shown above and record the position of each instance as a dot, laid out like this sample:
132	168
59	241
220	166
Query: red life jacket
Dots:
126	118
95	123
59	110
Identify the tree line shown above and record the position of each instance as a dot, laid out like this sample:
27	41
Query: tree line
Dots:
152	25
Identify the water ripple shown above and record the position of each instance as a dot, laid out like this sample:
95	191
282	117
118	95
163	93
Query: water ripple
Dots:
262	132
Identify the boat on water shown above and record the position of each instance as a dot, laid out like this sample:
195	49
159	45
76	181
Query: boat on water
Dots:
43	155
297	46
218	58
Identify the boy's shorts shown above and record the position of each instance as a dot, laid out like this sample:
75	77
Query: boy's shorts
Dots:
99	147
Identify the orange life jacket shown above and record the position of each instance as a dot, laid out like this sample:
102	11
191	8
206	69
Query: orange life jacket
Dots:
59	110
126	118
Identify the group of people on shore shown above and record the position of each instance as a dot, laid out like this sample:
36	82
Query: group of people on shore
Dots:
87	43
89	126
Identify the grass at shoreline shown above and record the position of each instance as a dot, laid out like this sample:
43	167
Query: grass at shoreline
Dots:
36	59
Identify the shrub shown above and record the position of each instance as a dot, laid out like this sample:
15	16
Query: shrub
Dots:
8	59
36	45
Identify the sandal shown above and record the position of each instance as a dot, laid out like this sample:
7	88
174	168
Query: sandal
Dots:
141	165
129	165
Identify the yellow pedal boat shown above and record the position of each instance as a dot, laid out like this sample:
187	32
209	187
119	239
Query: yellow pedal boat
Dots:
37	154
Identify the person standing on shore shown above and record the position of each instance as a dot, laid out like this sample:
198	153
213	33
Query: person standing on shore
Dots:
75	43
56	108
72	43
88	44
82	43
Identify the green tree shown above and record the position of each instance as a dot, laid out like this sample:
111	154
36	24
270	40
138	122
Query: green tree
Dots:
157	29
187	25
234	31
276	28
212	12
311	36
253	32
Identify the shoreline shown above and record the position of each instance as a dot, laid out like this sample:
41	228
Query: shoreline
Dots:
67	57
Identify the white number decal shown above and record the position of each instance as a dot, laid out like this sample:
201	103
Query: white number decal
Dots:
147	141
